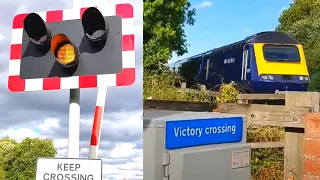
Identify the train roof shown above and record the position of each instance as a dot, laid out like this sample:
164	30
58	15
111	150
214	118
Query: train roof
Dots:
271	37
262	37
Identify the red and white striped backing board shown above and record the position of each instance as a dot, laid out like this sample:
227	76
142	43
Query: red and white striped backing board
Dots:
125	78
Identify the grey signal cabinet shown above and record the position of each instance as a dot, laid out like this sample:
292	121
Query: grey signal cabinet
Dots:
184	145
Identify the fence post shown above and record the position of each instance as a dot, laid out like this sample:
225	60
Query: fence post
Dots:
294	137
311	148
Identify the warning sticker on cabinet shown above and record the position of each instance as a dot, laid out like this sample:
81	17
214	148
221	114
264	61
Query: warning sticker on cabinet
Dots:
240	159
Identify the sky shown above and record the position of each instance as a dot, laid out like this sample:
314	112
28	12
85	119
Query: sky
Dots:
45	114
221	22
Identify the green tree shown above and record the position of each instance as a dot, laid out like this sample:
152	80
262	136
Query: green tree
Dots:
6	147
22	161
302	21
298	11
163	31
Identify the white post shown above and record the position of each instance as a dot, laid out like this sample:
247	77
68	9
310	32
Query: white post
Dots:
74	113
74	124
97	122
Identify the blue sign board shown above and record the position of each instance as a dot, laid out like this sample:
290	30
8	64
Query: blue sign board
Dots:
197	132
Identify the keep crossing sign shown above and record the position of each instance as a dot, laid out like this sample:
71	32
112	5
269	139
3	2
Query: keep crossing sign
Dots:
69	169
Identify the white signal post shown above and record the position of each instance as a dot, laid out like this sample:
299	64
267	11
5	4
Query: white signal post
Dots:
74	124
74	113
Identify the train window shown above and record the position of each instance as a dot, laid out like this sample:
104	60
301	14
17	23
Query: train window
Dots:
281	53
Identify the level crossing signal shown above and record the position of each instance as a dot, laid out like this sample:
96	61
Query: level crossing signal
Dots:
67	49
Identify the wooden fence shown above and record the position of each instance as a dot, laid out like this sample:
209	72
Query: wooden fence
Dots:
290	116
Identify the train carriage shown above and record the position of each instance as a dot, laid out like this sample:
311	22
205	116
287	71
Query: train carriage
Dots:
261	63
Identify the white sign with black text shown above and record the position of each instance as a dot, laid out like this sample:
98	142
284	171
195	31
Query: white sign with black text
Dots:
69	169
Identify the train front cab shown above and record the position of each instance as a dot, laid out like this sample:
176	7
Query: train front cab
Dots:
270	67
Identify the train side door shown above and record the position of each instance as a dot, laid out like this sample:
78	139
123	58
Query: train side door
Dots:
248	66
245	73
207	61
199	73
202	72
208	68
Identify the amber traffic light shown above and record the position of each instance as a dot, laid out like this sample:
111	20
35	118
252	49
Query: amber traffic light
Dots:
64	51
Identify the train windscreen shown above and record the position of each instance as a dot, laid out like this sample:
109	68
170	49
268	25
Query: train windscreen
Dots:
282	53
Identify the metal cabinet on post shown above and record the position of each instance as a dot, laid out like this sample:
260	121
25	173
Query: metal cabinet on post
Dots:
181	145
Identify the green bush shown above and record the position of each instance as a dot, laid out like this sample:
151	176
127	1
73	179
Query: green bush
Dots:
19	160
163	87
266	164
315	82
229	94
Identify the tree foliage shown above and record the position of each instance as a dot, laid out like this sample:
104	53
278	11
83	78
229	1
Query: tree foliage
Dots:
19	160
229	93
163	87
163	31
302	21
6	147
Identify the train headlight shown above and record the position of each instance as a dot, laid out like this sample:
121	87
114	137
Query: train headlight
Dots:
270	77
306	78
301	78
264	77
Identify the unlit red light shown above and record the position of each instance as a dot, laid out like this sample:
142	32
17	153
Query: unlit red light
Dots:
66	54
